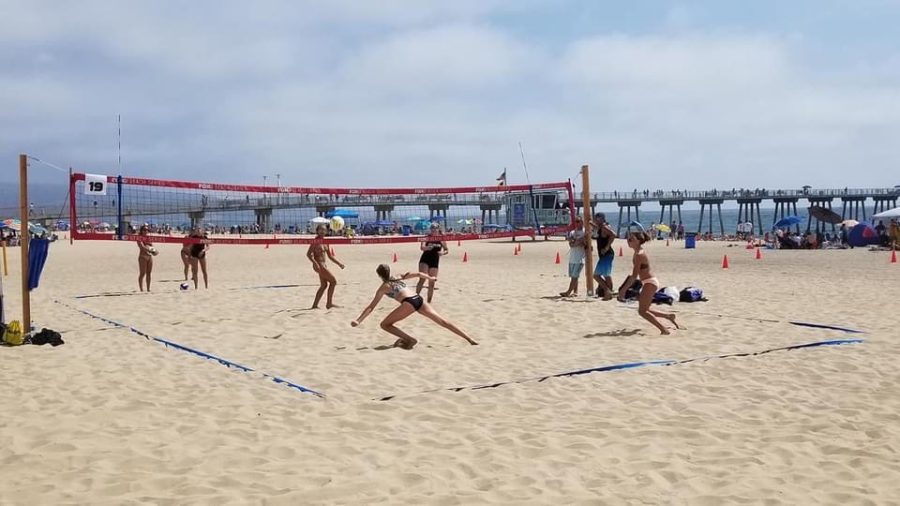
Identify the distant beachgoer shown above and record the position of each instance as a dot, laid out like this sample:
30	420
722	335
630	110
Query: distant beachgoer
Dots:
605	256
410	302
430	259
576	257
197	253
145	258
317	253
650	285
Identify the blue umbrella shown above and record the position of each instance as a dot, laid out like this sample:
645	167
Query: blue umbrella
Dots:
788	221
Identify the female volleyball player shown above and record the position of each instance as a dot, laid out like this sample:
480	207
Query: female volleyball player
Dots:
430	259
650	284
198	256
410	302
317	253
145	258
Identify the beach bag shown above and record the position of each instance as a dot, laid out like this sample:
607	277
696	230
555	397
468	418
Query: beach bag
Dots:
691	294
47	336
13	334
634	291
665	295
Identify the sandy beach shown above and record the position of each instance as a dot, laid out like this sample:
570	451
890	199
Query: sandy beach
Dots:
114	418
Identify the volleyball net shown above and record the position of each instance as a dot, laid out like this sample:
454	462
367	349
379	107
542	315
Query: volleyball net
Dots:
106	207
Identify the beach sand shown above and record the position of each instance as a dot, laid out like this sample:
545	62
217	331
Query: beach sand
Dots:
114	418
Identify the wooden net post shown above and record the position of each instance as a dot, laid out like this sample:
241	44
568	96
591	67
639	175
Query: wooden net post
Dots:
25	236
586	210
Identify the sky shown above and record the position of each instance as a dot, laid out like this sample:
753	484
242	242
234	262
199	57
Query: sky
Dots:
649	94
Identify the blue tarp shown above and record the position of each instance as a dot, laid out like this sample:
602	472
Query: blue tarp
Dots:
343	213
37	257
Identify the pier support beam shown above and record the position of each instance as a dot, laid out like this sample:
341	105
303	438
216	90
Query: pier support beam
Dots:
785	206
384	212
264	219
196	218
825	203
628	205
748	211
671	205
852	207
708	202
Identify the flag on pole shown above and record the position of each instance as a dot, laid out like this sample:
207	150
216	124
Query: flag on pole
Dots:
501	181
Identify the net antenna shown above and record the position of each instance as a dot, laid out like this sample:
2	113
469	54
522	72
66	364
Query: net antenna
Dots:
537	223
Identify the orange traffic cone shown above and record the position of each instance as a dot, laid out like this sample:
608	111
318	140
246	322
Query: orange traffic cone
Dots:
557	257
465	257
520	247
667	242
458	242
758	254
267	245
725	262
893	256
620	252
516	251
395	258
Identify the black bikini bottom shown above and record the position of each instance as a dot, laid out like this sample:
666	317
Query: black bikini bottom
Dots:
415	301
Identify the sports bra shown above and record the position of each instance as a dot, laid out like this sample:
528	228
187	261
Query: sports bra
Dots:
396	287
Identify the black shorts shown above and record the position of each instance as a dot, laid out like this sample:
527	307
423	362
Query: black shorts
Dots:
431	259
415	301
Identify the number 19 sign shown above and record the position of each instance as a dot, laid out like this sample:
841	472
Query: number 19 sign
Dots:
94	184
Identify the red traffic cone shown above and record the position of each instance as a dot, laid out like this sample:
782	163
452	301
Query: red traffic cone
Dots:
667	242
458	242
267	245
758	254
465	257
893	256
516	251
557	257
395	258
620	252
725	262
520	247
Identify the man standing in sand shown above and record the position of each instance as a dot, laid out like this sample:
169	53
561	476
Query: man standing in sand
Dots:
576	257
603	272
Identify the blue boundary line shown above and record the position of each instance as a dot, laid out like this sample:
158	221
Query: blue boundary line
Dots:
208	356
633	365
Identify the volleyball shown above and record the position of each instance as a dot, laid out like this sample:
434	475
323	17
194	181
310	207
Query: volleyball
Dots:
337	223
152	251
185	286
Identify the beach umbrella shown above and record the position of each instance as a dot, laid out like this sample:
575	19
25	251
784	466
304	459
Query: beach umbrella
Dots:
862	235
465	222
414	218
824	215
663	228
889	214
849	223
318	220
13	224
788	221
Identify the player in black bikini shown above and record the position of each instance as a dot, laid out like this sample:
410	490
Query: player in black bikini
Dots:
430	259
198	256
410	303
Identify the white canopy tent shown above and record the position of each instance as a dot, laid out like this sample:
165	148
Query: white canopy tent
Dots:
888	215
